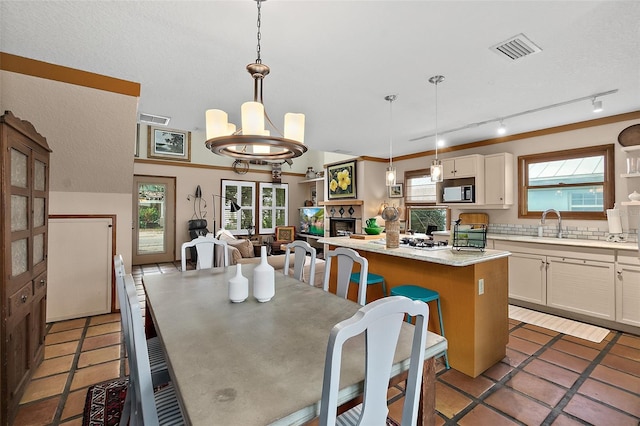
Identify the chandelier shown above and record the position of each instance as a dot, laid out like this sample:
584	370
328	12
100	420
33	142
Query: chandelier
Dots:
436	165
253	141
390	175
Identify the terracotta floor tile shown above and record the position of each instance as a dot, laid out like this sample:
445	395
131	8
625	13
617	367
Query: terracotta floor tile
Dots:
565	360
98	356
518	406
63	336
45	387
564	420
68	325
475	387
103	319
74	404
395	410
629	340
537	388
514	358
448	401
101	341
498	371
575	349
482	415
532	336
68	348
598	346
597	414
52	366
617	378
85	377
614	397
623	364
74	422
625	352
552	373
541	329
521	345
39	413
97	330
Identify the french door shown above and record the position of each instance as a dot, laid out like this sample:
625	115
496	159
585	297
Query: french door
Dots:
153	219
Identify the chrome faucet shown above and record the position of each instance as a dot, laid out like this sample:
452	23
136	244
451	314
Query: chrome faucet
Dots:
544	215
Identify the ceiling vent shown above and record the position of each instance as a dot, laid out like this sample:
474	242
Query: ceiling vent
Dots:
516	47
154	119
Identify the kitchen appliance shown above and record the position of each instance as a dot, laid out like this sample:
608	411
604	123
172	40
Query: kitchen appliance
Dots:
615	225
459	194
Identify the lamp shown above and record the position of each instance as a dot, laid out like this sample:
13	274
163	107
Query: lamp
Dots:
234	207
597	105
502	128
390	175
436	165
252	141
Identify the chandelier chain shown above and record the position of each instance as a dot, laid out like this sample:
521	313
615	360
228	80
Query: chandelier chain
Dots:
259	35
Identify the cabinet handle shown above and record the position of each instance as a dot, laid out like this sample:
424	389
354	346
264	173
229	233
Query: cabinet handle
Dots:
42	283
24	298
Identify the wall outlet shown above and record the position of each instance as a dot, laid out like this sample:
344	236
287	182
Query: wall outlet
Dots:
481	286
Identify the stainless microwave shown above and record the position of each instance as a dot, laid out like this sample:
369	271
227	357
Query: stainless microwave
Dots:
459	194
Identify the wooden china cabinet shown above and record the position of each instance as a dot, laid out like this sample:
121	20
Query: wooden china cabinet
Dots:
24	202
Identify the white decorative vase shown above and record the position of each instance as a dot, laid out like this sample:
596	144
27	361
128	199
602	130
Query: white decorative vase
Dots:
634	196
238	286
264	278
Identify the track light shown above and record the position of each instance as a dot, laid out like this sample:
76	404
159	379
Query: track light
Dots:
597	105
502	128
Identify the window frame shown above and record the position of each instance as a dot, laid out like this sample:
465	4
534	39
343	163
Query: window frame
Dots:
274	208
433	205
225	209
608	184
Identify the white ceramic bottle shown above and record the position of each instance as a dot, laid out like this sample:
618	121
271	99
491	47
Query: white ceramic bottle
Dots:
238	286
264	278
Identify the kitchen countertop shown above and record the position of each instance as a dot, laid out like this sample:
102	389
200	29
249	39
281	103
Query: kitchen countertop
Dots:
443	256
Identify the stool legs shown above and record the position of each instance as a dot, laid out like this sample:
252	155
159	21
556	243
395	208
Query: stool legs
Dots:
446	357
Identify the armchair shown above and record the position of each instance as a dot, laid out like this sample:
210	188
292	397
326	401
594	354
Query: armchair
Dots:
284	235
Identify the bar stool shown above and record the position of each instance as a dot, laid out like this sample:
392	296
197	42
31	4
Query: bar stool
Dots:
371	280
425	295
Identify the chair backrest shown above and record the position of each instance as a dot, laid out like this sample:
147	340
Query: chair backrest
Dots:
381	322
143	408
118	264
300	250
346	258
205	246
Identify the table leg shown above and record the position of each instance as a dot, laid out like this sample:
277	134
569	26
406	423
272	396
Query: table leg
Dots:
427	406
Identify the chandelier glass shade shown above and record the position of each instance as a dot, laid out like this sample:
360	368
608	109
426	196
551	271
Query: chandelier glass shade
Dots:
436	165
254	141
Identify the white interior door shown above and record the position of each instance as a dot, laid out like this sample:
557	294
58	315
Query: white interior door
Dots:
79	268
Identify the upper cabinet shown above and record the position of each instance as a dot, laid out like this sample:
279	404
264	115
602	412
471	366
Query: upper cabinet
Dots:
498	179
462	167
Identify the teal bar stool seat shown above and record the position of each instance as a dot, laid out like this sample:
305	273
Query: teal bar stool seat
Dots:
371	280
425	295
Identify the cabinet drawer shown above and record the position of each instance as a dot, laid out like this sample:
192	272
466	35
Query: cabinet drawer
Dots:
629	257
40	284
21	299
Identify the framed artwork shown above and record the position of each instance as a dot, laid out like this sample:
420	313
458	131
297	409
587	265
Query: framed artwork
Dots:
341	180
169	144
395	191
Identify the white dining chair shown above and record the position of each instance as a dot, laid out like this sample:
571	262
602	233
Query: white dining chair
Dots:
157	360
205	247
346	258
147	408
300	249
381	322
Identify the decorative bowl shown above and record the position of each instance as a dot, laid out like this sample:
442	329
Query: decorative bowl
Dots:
374	231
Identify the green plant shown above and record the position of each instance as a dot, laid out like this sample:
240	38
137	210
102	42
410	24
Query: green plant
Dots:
147	216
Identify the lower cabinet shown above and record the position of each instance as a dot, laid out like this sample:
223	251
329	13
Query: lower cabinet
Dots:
628	290
528	277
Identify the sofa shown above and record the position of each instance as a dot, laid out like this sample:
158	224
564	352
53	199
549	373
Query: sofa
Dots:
242	251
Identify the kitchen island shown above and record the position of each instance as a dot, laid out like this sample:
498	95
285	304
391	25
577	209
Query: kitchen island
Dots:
473	287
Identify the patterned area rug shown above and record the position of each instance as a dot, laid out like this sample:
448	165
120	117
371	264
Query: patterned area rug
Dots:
104	403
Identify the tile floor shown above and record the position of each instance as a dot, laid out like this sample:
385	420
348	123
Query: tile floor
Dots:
547	378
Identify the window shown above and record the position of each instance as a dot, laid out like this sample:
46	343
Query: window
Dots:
579	183
420	199
274	207
242	193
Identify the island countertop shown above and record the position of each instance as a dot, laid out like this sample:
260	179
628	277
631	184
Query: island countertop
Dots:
444	256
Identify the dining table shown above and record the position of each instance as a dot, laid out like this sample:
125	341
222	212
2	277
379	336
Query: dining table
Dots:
262	363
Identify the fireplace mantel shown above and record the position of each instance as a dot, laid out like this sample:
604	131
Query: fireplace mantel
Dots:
341	203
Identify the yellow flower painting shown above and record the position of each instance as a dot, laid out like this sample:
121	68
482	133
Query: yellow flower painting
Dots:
341	180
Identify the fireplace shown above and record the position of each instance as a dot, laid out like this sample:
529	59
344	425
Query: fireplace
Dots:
339	227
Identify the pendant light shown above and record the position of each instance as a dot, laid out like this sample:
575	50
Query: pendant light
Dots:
436	165
253	141
391	171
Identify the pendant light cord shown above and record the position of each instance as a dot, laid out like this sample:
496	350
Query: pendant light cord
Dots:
259	34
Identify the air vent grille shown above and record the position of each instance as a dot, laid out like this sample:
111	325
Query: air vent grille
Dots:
516	47
154	119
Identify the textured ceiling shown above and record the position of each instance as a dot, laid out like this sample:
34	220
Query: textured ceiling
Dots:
336	60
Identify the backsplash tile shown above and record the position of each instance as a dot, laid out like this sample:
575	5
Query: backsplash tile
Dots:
571	232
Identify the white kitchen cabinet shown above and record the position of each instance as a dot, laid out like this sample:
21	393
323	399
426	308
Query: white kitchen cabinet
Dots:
462	167
628	290
498	179
581	285
528	277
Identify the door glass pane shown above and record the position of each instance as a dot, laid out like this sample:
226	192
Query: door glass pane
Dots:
19	257
151	217
39	179
18	169
38	248
38	211
19	218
